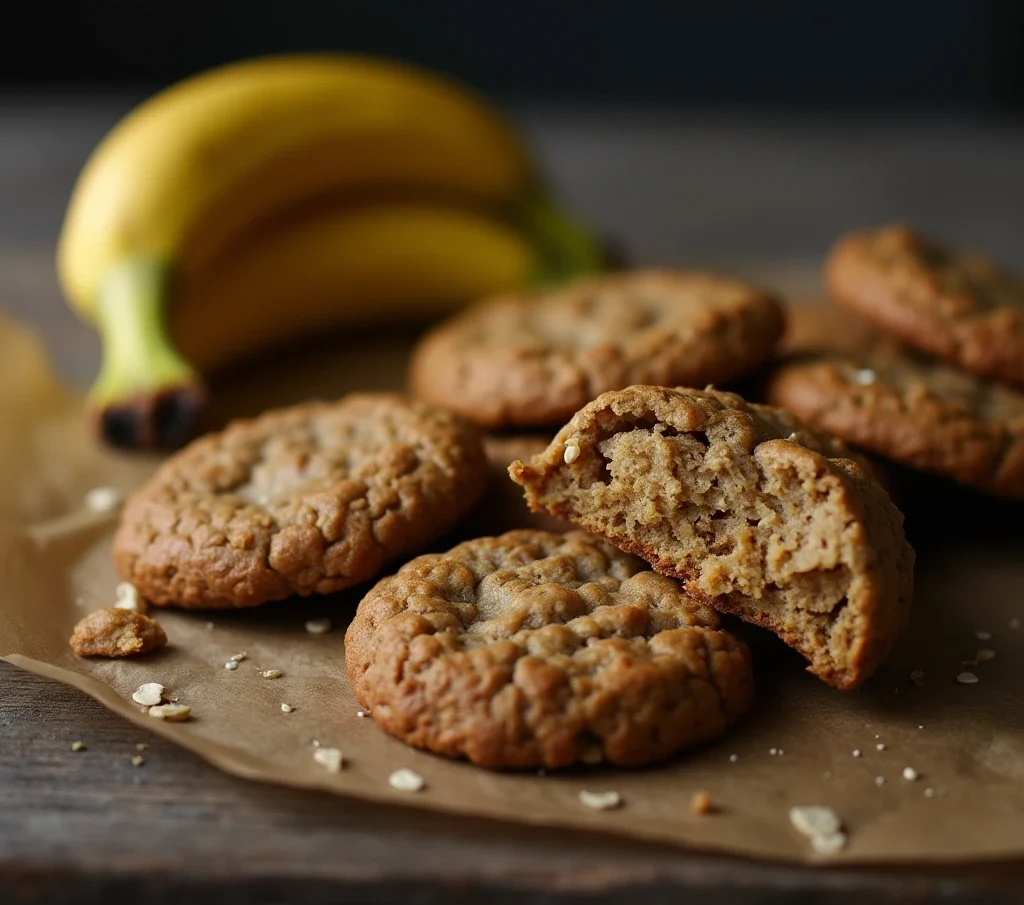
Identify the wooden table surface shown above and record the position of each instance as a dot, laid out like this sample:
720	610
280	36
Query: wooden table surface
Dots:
89	827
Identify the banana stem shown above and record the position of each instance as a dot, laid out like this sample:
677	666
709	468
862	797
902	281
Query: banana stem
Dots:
146	394
567	249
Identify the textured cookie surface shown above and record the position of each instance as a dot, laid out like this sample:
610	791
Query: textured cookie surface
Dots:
913	410
957	305
755	513
543	649
533	360
304	500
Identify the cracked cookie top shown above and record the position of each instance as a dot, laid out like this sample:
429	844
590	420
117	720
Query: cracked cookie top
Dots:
531	360
544	649
304	500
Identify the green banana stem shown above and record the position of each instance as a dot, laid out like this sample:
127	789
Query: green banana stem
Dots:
567	248
146	394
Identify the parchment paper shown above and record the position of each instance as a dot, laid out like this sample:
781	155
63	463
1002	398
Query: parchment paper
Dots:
965	741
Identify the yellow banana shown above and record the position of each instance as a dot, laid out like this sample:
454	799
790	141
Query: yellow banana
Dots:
187	181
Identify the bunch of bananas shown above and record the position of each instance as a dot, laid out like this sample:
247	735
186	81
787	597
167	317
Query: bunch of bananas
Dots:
270	199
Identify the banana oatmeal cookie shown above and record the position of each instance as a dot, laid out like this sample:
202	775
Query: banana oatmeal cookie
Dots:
758	516
530	360
957	305
536	649
304	500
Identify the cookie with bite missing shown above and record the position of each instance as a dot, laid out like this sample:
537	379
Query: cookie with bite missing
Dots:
954	304
528	360
540	649
755	513
304	500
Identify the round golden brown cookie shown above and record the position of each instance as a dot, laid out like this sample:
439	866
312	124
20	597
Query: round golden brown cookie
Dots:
757	514
957	305
529	360
913	410
538	649
304	500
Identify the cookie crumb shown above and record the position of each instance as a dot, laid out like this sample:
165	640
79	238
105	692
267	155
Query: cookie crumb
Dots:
126	597
113	632
600	801
171	713
329	758
138	760
318	626
406	780
822	827
880	746
879	780
701	803
78	746
239	657
856	752
149	694
967	678
572	450
982	635
733	758
103	499
271	673
985	654
929	792
362	714
910	774
917	677
287	708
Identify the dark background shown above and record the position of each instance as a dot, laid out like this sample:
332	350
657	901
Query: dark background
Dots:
820	55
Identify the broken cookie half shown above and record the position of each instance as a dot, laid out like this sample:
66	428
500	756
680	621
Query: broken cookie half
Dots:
758	516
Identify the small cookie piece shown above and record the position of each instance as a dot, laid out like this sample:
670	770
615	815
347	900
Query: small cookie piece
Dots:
758	516
529	360
957	305
304	500
536	649
913	410
114	632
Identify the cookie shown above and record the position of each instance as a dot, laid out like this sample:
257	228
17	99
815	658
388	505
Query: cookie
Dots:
758	516
536	649
303	500
956	305
530	360
113	632
913	410
817	327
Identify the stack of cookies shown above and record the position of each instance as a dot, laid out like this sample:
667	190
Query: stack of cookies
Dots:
608	631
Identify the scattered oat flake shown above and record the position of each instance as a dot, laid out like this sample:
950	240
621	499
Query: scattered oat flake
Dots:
318	626
701	803
600	801
138	760
572	451
330	759
231	665
967	678
815	820
239	657
126	597
982	635
149	694
985	654
103	499
856	752
406	780
78	746
315	743
772	752
287	708
362	714
830	844
929	793
880	746
271	673
879	780
172	713
733	758
910	774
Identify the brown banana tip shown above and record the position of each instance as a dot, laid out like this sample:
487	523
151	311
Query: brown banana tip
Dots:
166	419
